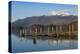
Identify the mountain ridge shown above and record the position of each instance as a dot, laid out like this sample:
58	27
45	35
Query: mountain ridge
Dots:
45	20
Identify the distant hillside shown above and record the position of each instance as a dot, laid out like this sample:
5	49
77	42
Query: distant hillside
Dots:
45	20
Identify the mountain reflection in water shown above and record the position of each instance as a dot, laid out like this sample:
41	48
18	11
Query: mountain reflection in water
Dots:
40	43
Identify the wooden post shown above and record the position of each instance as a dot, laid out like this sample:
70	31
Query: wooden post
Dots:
25	31
20	32
48	29
40	30
69	28
72	27
69	31
35	30
60	28
31	32
52	29
57	31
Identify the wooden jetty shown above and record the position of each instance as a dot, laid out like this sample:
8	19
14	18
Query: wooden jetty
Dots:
51	30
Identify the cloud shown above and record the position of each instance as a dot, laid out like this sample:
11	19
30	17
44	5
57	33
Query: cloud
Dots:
59	12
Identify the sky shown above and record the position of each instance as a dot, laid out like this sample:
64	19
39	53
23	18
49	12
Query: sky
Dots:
21	10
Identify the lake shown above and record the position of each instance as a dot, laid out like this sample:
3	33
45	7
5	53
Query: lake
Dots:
28	43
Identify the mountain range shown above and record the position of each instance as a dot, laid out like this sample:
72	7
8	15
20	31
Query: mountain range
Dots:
45	20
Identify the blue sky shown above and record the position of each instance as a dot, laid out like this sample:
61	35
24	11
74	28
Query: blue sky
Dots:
21	10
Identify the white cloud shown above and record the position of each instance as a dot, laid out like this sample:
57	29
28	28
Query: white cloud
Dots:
59	12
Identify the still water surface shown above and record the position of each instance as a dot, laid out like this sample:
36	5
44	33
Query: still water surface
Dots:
28	44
